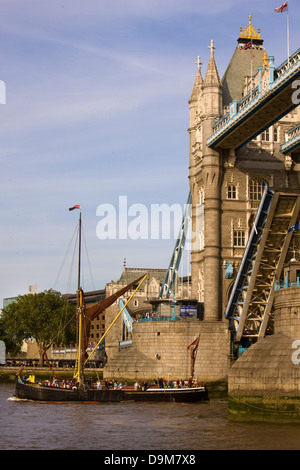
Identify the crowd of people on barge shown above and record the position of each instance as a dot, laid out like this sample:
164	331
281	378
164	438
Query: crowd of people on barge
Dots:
112	384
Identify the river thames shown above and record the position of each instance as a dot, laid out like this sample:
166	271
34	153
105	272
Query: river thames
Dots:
27	425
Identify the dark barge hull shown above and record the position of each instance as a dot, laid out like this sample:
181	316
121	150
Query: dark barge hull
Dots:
171	395
55	394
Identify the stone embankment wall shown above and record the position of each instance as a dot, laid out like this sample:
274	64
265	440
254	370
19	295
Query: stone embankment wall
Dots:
159	349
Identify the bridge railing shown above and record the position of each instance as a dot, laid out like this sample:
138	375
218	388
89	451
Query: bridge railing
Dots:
285	67
291	137
286	284
267	83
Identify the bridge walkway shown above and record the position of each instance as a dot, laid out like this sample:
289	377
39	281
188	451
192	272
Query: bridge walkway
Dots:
273	98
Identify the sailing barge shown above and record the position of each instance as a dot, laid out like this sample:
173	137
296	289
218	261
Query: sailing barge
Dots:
88	395
82	392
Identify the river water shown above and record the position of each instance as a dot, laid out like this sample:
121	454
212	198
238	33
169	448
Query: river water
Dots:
134	426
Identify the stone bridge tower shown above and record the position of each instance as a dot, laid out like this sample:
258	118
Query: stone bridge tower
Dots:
227	184
219	179
226	187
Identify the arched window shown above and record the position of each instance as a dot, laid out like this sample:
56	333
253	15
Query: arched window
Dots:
256	188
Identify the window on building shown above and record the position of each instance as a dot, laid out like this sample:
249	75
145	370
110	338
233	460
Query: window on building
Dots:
239	238
266	135
256	188
275	134
231	192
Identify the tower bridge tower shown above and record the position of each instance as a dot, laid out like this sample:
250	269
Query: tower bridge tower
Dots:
227	183
230	162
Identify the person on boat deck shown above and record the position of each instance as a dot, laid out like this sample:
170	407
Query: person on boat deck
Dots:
160	383
98	385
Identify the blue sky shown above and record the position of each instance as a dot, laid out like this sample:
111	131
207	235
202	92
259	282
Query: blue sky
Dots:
96	108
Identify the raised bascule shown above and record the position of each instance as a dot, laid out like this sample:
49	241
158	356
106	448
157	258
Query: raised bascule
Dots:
244	178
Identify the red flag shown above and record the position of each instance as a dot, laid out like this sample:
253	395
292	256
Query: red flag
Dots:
194	343
283	7
74	207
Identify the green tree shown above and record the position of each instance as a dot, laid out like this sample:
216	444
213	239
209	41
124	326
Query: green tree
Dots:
45	317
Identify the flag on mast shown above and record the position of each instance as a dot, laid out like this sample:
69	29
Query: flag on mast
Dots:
194	343
283	7
74	207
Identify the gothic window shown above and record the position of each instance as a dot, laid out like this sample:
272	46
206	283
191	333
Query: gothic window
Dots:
239	238
266	135
256	188
231	192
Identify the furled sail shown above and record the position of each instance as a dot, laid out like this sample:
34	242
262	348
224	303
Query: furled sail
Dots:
90	312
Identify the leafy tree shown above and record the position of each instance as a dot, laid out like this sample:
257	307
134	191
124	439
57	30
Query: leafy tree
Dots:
40	316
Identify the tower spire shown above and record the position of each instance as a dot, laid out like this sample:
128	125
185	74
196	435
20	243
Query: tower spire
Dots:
198	81
198	63
212	75
211	47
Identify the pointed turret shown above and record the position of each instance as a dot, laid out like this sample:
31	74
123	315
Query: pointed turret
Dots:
212	88
195	98
198	82
212	78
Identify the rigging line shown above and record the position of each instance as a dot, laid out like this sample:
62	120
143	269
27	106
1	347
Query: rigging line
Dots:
65	257
88	259
63	317
114	321
72	262
63	328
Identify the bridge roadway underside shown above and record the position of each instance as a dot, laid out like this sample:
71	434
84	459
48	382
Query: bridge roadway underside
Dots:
268	110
